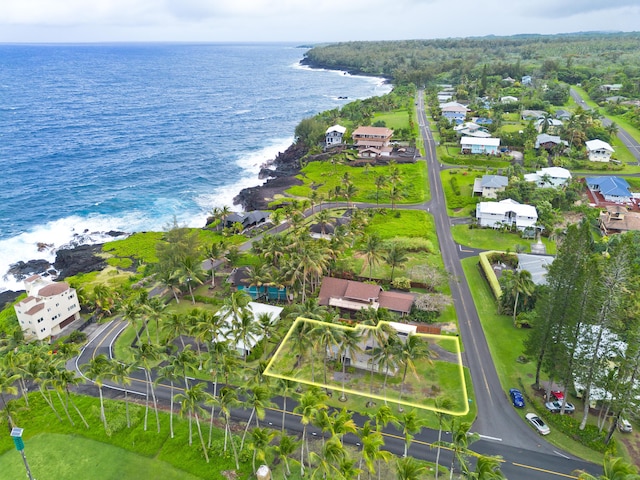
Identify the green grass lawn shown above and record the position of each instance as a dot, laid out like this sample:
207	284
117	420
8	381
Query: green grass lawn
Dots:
490	239
66	457
395	120
325	176
459	205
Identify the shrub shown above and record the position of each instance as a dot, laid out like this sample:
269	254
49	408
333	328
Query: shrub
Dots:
401	283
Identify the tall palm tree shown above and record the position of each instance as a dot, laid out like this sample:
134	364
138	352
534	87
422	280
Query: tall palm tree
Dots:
414	348
145	356
131	312
522	285
155	308
174	326
349	347
259	399
349	192
169	371
261	438
396	256
372	442
64	379
98	370
285	447
213	252
386	357
327	336
286	388
191	401
189	273
226	400
380	182
310	403
333	453
442	404
614	469
372	251
411	425
7	387
460	441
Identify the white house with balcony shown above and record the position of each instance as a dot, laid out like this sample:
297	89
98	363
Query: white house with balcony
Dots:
48	308
480	146
598	150
506	212
334	135
549	177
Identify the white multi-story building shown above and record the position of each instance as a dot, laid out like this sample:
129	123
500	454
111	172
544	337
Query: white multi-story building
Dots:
506	212
599	151
334	134
48	308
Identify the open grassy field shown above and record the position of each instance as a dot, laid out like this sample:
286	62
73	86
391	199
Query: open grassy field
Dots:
490	239
323	177
65	457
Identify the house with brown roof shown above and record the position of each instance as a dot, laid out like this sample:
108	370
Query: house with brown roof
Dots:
48	308
618	219
373	141
355	296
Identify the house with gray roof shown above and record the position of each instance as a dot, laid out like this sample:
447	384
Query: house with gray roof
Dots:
489	185
546	141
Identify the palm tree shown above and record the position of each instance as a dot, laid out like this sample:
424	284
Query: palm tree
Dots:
155	308
386	357
227	399
395	194
168	278
144	356
98	370
7	387
327	336
169	372
372	443
414	348
487	468
614	469
64	378
522	284
191	401
284	448
174	325
261	438
409	469
349	192
396	256
259	400
411	425
285	387
380	182
189	272
441	404
214	251
460	441
331	456
349	347
310	403
131	312
372	251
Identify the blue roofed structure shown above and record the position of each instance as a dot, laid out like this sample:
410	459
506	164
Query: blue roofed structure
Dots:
612	189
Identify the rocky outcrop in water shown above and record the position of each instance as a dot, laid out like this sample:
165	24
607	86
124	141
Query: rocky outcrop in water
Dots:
81	259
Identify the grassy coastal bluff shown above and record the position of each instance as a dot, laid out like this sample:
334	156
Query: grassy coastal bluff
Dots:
411	260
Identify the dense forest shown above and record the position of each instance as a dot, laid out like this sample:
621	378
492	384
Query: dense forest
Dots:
574	58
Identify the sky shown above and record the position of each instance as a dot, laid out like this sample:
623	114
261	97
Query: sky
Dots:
303	21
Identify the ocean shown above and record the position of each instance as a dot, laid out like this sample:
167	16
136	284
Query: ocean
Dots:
125	137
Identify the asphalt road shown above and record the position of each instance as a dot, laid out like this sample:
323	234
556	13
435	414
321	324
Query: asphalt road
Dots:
623	135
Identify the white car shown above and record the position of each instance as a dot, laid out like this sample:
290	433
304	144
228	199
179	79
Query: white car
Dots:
538	424
624	425
556	407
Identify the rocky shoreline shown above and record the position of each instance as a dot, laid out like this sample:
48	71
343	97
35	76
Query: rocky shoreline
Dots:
280	174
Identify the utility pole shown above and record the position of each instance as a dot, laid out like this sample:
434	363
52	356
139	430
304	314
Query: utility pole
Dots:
16	434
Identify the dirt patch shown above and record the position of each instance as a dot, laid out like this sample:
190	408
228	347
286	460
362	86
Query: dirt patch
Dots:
632	445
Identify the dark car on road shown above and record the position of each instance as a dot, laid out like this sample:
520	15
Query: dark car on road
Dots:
516	398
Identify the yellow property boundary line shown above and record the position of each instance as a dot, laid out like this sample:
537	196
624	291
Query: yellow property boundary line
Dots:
271	370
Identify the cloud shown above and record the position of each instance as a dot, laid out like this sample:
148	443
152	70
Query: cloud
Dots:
570	8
